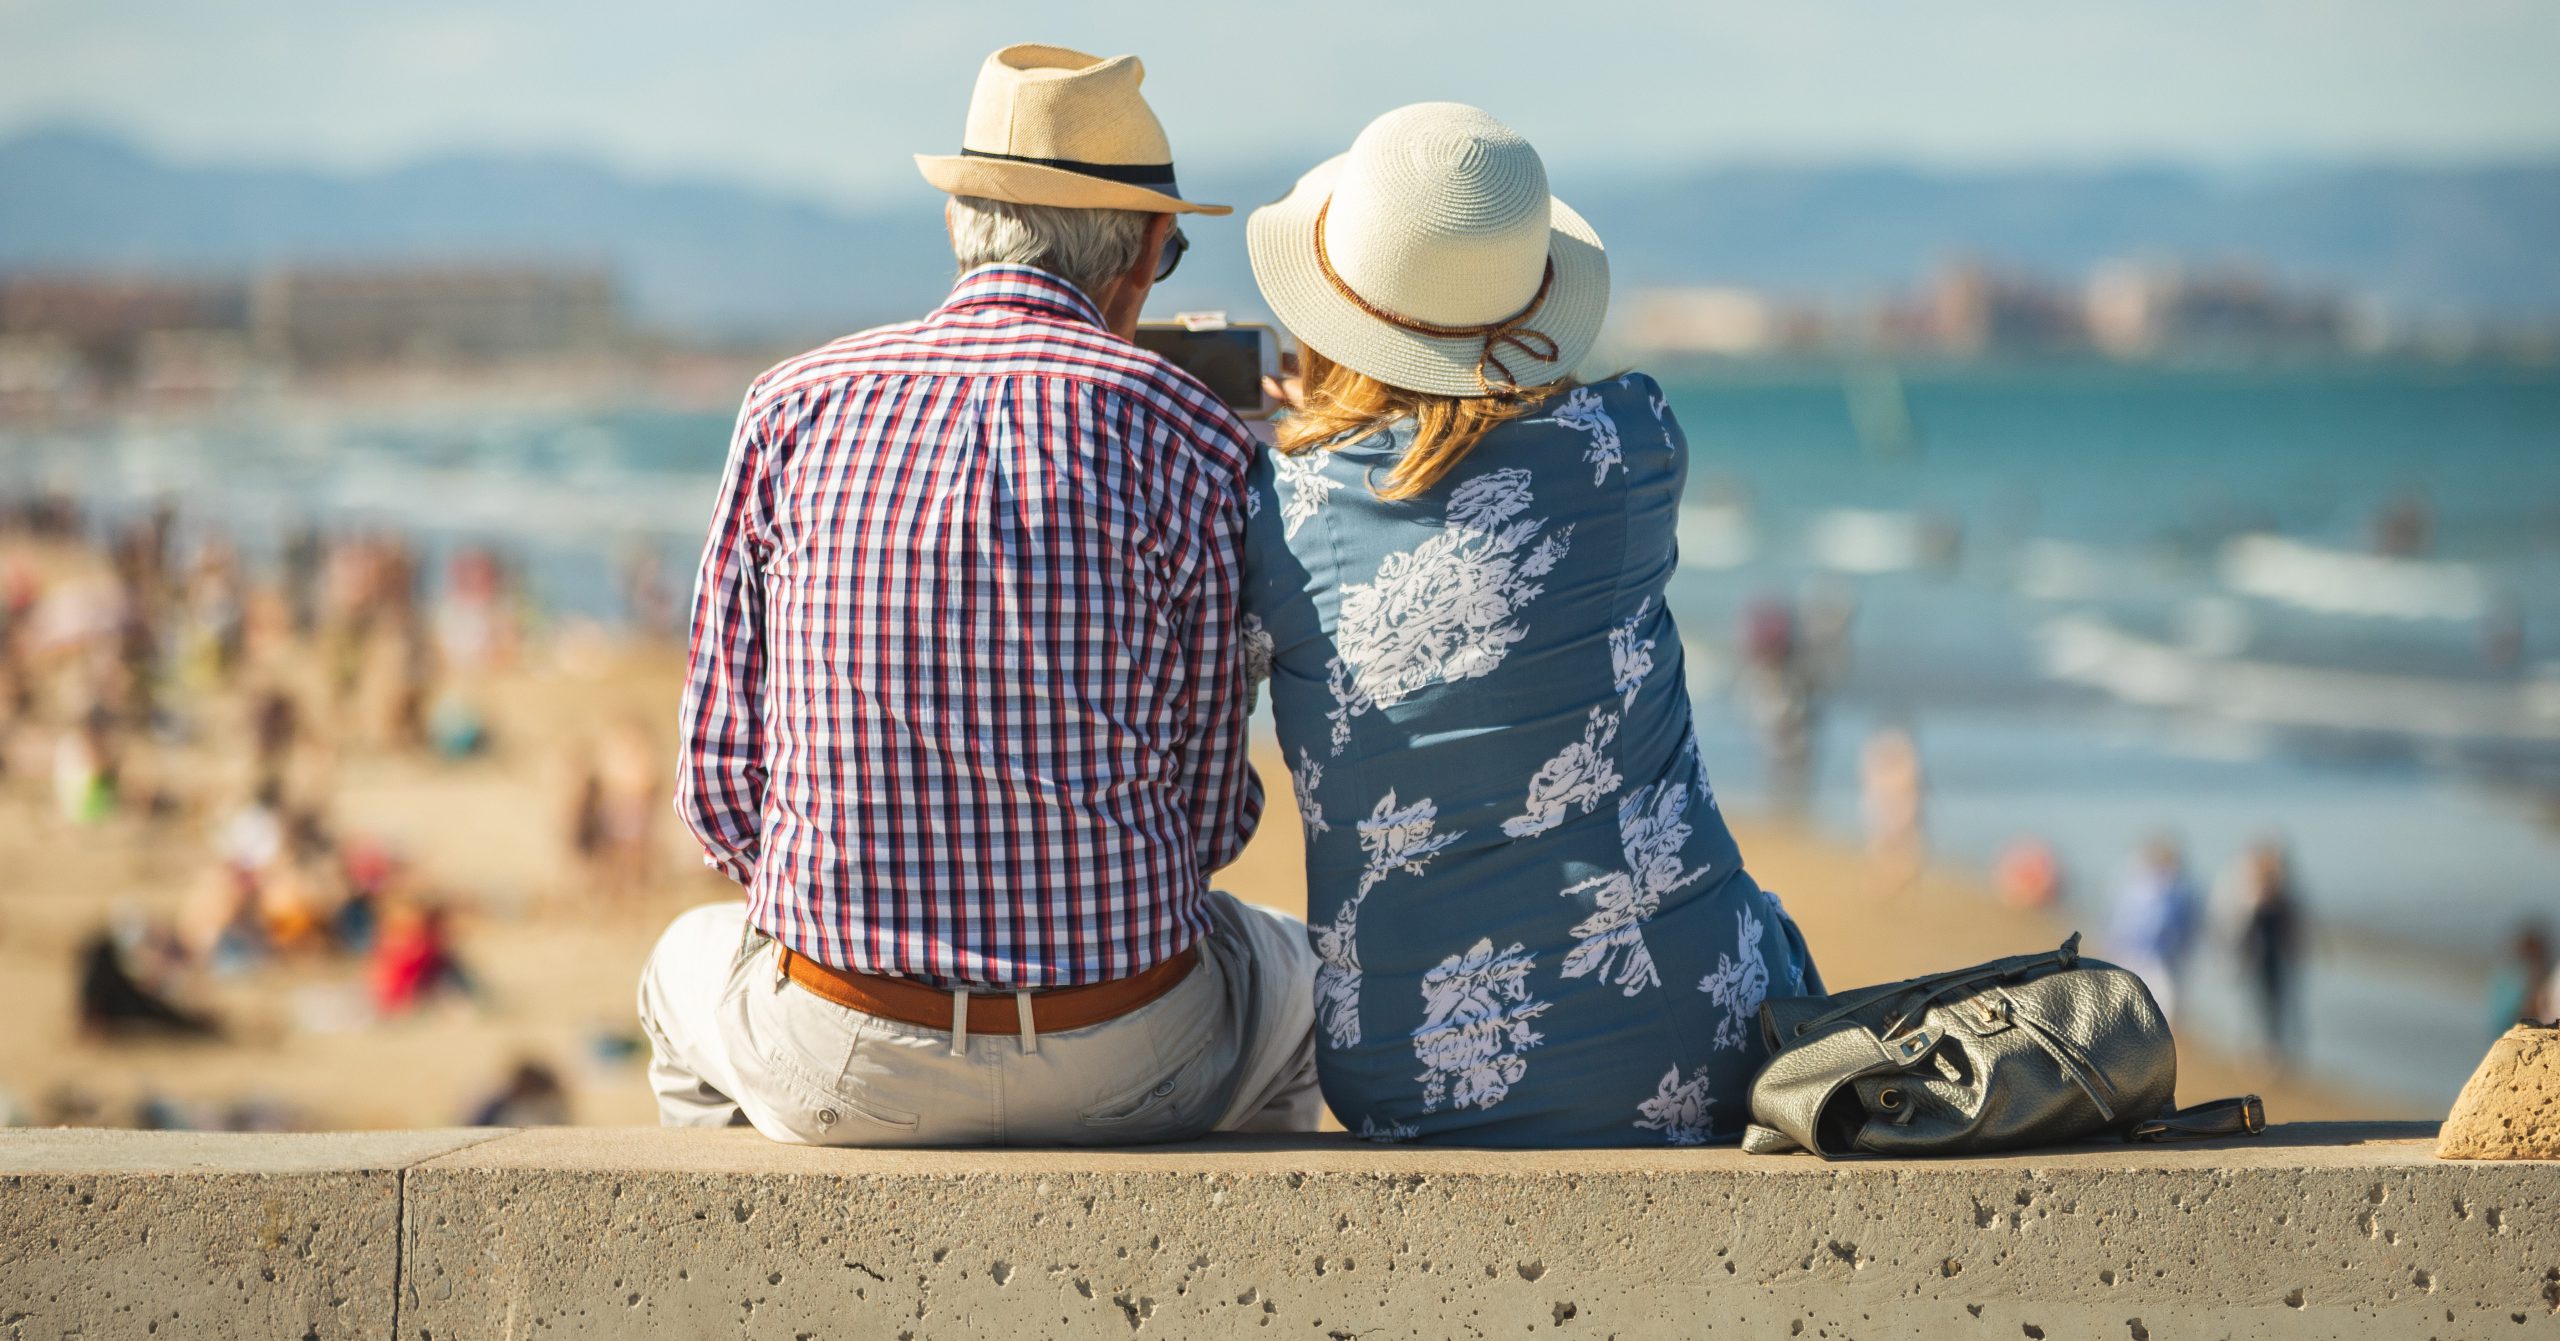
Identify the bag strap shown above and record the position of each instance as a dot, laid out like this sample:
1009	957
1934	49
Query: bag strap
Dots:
1935	985
2243	1116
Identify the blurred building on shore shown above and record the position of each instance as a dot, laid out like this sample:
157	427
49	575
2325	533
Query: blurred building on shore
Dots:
1975	309
1969	309
1732	322
2137	310
86	340
71	336
333	317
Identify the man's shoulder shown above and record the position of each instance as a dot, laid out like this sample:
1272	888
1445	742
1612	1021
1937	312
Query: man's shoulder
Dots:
1017	347
841	359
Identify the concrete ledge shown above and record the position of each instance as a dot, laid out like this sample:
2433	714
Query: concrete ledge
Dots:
130	1234
2344	1230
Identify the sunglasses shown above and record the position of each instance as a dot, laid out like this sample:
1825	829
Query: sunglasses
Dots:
1168	260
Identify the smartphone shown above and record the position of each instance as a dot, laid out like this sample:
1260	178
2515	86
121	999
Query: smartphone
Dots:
1230	360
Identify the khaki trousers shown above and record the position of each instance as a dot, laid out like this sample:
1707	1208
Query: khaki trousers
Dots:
1231	1048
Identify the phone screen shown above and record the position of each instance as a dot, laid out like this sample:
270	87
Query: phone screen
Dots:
1228	361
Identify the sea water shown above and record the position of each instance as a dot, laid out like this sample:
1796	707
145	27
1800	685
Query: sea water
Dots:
2108	601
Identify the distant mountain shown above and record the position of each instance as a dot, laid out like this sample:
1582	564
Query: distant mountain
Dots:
688	254
2475	241
713	258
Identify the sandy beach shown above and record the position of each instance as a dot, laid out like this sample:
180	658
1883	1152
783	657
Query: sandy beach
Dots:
556	964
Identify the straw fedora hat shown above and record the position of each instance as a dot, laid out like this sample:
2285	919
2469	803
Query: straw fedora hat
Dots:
1049	126
1431	257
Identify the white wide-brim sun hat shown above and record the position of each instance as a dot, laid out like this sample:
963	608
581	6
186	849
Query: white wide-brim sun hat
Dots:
1431	257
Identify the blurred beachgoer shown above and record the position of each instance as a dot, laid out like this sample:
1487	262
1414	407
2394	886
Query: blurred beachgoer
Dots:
404	673
1893	790
347	609
2527	986
219	922
2502	643
368	869
2157	915
84	770
153	954
456	729
112	1004
648	607
1779	693
587	826
274	724
2404	527
2029	874
2264	910
992	817
20	592
413	959
472	626
629	802
304	552
254	836
296	901
213	621
532	1097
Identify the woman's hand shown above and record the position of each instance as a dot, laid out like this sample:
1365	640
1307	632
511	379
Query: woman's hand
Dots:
1289	388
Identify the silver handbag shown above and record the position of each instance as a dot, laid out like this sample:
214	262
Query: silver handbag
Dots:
2029	1050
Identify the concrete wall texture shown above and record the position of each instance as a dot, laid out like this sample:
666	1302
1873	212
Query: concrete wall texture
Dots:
2314	1231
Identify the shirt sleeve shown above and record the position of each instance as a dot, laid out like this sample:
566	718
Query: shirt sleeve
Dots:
1218	778
720	776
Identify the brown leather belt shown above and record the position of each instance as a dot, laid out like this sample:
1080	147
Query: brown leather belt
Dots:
1054	1010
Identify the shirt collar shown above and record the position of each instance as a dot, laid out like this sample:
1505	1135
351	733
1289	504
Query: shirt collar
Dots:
1022	286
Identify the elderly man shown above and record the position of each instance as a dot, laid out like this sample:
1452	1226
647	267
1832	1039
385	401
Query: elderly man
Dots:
965	712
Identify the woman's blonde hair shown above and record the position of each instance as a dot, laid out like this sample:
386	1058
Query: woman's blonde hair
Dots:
1341	405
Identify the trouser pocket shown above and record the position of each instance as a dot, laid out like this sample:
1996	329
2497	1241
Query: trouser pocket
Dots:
795	1053
1171	1102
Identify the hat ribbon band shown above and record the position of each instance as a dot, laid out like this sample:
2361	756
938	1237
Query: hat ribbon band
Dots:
1512	331
1128	174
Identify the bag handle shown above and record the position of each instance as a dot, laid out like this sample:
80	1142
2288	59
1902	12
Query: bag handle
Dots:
1937	985
2243	1116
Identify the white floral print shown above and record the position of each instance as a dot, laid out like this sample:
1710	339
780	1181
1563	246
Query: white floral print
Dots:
1447	609
1698	763
1253	503
1370	1130
1580	775
1400	839
1630	657
1258	647
1303	781
1303	473
1678	1109
1739	985
1348	700
1653	401
1476	1010
1338	975
1652	831
1395	839
1583	410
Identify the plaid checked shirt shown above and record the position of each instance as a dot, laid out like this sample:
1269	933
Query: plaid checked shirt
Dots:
965	700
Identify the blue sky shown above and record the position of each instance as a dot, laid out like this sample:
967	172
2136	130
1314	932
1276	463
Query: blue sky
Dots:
828	99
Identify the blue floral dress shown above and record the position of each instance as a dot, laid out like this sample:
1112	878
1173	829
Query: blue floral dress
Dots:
1532	924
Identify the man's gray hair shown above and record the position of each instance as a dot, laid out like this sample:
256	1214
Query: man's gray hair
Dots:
1086	248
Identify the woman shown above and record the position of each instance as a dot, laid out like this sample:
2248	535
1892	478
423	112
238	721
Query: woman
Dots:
1534	928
